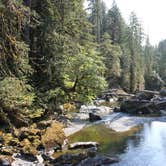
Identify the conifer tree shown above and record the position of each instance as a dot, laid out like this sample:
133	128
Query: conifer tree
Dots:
135	47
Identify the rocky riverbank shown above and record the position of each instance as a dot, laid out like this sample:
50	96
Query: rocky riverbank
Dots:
35	145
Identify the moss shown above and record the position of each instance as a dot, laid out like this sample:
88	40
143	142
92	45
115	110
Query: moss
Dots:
107	138
1	133
7	138
28	147
53	136
68	107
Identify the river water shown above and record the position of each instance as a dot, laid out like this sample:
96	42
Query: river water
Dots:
146	148
141	146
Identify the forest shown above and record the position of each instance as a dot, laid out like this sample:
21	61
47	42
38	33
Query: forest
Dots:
57	53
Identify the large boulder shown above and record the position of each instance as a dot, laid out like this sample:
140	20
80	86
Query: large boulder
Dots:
99	110
144	95
143	107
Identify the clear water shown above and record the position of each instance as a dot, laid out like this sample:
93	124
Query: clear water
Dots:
142	146
147	147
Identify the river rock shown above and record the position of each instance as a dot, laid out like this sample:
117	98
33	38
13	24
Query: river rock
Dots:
100	110
24	160
97	110
98	160
6	150
143	106
4	162
144	95
85	158
73	158
163	93
80	145
94	117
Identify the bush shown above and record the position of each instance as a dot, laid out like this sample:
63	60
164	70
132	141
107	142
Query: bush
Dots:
15	99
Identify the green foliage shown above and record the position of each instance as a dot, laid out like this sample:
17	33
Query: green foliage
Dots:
115	25
162	59
72	68
14	52
15	93
16	100
111	54
96	17
84	71
135	47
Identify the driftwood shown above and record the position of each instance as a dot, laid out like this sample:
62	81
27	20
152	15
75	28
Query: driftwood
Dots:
82	145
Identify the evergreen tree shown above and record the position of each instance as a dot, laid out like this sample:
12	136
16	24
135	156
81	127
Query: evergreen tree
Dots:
135	47
111	54
96	17
149	55
66	39
162	59
16	95
104	18
14	52
115	25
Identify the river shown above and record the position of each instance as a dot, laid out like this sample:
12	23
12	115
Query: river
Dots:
144	145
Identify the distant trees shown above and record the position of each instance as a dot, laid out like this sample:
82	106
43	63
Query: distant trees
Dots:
129	64
162	59
96	8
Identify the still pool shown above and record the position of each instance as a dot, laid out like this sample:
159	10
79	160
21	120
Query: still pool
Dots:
141	146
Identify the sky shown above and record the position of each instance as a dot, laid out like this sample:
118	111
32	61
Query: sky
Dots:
152	14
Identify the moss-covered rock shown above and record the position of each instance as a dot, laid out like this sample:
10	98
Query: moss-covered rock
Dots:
28	147
53	136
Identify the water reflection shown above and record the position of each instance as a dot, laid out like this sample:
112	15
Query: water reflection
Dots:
147	148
